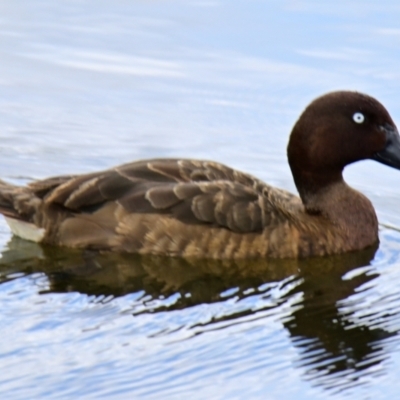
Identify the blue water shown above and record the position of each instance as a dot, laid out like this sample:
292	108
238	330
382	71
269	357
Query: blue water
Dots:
89	84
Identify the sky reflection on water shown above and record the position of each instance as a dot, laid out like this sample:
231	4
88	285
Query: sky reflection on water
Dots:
89	84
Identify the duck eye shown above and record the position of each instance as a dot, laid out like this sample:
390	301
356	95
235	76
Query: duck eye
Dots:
358	118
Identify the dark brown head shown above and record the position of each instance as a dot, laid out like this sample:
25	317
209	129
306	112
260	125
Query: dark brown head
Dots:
338	129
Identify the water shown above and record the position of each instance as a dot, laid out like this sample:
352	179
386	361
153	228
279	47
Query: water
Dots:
89	84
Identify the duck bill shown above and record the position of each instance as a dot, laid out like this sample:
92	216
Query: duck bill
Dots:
390	155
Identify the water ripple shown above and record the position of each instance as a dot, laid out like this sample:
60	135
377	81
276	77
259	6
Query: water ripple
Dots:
86	85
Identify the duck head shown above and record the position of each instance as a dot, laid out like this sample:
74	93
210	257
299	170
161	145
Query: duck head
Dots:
335	130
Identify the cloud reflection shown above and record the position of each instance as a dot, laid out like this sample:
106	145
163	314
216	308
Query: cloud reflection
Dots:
312	298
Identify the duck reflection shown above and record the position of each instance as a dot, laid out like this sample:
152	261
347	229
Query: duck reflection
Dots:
330	344
324	329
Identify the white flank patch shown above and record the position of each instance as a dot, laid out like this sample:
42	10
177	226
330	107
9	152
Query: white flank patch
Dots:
25	230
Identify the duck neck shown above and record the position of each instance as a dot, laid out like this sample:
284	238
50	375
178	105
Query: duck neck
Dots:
329	195
315	188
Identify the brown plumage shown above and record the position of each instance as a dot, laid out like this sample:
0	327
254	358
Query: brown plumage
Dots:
191	208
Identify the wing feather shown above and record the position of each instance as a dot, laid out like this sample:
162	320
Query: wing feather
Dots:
194	192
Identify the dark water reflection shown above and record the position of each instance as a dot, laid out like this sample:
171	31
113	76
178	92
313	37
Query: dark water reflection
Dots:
333	351
85	85
336	347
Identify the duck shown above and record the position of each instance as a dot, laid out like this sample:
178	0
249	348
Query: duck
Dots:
204	209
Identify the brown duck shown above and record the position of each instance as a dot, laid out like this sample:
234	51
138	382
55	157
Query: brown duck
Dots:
190	208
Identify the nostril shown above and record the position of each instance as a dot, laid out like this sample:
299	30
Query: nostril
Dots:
390	132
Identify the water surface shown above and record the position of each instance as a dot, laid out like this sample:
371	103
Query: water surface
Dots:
89	84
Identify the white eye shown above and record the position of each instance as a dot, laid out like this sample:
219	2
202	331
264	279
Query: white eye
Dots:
358	118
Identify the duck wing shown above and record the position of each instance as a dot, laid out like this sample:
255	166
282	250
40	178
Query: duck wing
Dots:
193	192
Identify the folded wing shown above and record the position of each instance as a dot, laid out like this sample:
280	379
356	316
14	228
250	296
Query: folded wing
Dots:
194	192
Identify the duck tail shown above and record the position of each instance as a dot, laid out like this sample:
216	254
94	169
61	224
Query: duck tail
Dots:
8	194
